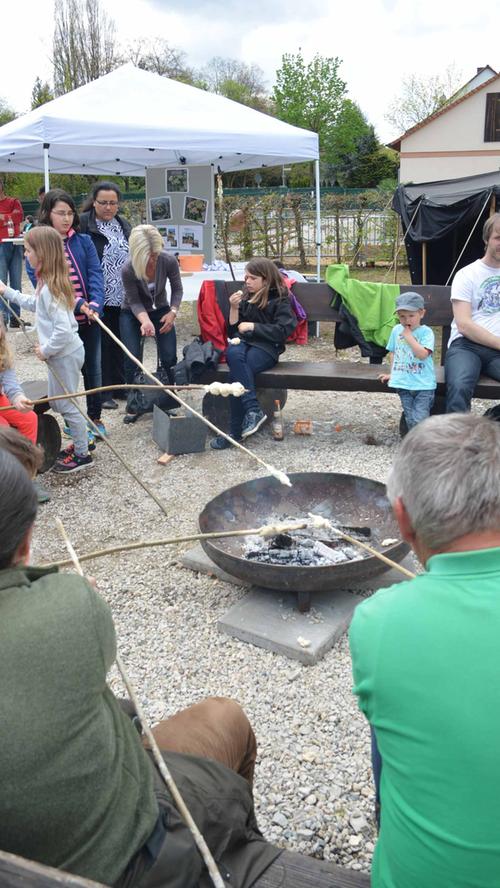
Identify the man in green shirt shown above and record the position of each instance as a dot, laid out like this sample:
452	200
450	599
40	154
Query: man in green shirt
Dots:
426	664
78	789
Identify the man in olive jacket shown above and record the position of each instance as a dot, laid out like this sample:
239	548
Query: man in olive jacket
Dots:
79	790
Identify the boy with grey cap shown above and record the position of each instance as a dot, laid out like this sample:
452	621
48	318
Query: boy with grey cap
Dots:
411	345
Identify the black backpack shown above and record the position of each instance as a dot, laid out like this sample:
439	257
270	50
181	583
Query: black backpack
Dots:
140	402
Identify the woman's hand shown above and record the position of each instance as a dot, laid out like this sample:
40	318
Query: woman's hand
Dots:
22	403
384	377
246	327
3	288
167	321
147	328
39	353
235	298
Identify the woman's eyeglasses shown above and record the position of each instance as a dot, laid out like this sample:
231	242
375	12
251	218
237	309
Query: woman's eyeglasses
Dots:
107	203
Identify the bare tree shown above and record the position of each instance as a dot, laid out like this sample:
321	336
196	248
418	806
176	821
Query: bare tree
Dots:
83	45
421	96
219	72
158	56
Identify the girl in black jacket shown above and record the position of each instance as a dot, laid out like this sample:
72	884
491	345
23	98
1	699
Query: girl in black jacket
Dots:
260	320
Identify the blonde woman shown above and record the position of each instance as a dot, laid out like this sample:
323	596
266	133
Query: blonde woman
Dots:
147	309
59	343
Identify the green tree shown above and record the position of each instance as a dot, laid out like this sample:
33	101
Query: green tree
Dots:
350	126
40	94
310	95
6	112
421	96
368	164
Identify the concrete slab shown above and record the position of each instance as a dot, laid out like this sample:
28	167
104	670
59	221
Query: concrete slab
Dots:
196	559
271	620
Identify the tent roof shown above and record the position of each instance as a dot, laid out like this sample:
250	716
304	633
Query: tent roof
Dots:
450	191
131	119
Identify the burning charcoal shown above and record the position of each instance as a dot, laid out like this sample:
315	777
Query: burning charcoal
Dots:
363	532
282	541
307	544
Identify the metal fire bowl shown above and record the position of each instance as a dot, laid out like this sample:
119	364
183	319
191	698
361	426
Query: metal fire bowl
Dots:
346	499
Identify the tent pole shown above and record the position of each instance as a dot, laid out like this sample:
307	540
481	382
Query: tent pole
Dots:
424	262
318	220
46	182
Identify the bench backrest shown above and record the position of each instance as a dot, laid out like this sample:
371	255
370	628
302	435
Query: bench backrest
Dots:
317	298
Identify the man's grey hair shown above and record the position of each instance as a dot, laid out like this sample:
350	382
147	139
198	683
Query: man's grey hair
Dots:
447	473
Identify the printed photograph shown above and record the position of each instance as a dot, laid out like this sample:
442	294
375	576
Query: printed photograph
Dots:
160	209
191	237
195	209
177	180
171	237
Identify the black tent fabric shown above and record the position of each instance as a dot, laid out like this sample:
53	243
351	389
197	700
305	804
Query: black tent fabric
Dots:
443	215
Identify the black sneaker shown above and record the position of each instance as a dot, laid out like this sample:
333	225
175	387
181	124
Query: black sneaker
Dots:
73	462
220	443
70	449
110	404
252	422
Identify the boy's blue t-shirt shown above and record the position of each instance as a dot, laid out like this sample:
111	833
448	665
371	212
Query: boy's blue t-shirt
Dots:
409	372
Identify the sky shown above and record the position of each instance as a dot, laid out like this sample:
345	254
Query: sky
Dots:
380	42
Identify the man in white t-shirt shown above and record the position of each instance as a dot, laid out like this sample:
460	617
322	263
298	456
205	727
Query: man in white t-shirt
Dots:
474	344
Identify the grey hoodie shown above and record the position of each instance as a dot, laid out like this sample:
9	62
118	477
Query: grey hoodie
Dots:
55	324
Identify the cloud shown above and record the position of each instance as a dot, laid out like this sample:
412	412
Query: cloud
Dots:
242	11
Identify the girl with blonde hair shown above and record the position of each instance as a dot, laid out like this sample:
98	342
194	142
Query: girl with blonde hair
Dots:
59	344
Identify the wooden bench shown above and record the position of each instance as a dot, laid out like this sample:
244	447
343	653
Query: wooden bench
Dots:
290	870
353	376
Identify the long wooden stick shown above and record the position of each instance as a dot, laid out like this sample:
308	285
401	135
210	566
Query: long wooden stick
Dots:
192	387
281	476
162	767
252	531
92	424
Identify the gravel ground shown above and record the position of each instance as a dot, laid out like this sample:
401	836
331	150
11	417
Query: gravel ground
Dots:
313	785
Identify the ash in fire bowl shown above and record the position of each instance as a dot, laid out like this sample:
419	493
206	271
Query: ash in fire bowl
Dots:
304	548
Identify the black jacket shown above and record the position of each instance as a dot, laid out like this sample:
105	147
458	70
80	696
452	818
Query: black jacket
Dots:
88	226
273	324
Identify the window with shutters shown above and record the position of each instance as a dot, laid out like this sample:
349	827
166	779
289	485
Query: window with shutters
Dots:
492	118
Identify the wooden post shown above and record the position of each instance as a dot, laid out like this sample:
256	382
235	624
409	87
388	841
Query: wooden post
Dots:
396	251
493	205
424	262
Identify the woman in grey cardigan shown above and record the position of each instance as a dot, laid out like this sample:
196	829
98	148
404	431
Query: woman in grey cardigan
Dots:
147	310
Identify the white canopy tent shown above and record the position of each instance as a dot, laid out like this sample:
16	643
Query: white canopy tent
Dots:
131	120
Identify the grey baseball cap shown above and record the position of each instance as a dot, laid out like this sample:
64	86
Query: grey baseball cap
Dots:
409	301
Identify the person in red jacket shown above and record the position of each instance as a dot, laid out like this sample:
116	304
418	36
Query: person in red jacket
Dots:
11	255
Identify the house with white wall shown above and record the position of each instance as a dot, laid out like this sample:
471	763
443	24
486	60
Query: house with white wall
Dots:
460	139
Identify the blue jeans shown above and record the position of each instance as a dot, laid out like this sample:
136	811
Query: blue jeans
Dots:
90	334
244	362
465	361
166	343
416	405
11	269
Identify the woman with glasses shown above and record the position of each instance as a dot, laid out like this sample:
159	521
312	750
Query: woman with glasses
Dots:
59	211
110	233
